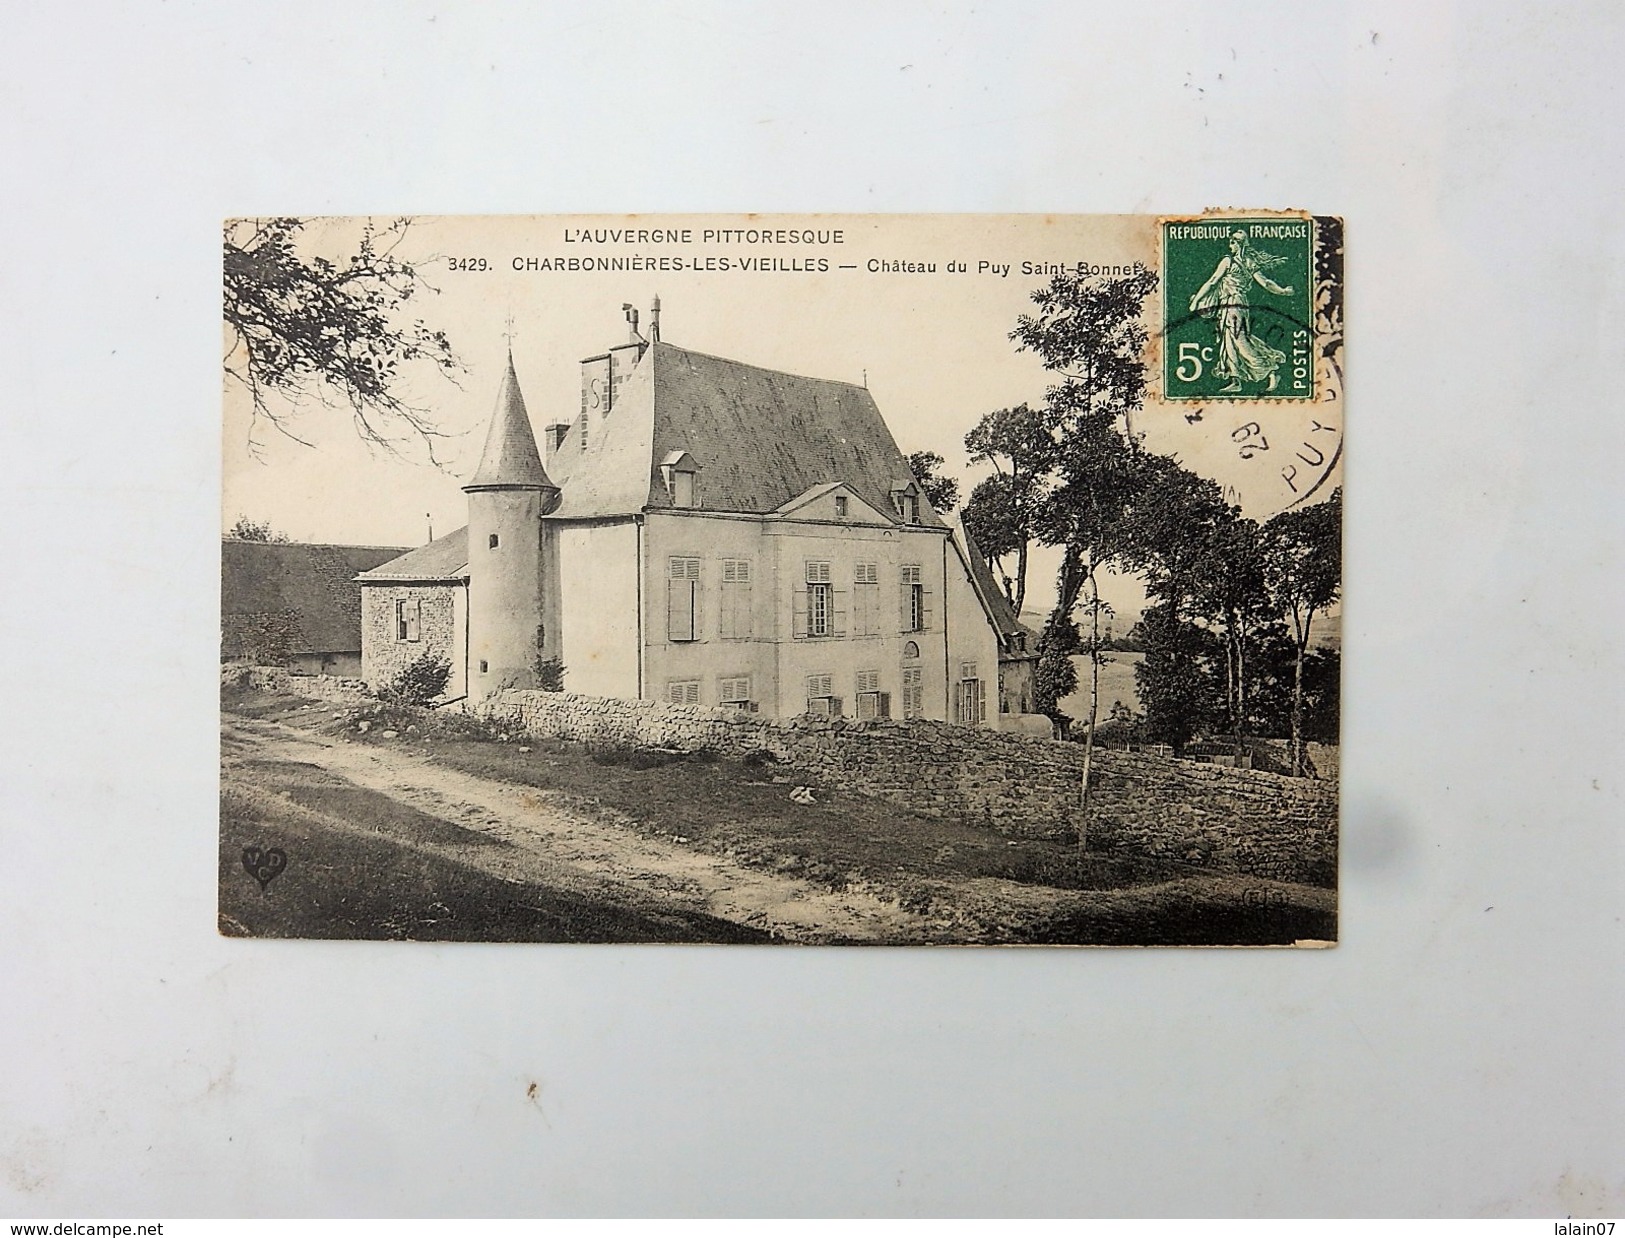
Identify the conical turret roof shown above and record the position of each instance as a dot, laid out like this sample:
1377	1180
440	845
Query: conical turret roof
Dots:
510	457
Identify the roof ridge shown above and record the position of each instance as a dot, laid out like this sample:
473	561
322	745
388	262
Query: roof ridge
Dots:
751	365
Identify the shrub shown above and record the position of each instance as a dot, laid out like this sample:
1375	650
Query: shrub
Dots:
758	757
550	674
420	681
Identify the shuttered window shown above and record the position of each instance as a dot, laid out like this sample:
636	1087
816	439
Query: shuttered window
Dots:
872	702
736	600
683	599
735	691
819	701
866	600
408	619
913	692
915	600
820	610
820	606
972	698
683	692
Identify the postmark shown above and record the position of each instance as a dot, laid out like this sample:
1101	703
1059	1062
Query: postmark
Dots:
1238	316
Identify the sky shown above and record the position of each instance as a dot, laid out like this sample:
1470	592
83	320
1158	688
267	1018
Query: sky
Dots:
932	345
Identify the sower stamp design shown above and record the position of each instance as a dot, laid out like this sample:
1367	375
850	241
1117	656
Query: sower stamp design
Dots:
1237	316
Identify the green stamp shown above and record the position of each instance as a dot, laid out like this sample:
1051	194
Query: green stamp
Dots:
1238	317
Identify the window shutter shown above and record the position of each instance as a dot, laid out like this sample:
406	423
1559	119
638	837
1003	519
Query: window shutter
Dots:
837	623
682	599
798	614
883	704
981	702
925	610
958	706
680	610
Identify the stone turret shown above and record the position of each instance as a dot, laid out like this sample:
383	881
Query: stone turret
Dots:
512	559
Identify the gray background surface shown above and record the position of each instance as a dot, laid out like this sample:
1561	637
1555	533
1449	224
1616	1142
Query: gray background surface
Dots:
1459	1053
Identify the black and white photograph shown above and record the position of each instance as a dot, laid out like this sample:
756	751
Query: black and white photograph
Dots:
827	580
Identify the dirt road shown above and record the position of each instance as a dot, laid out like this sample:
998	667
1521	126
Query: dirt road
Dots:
560	846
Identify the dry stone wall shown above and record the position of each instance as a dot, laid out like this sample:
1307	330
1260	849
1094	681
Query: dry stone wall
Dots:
276	679
1235	820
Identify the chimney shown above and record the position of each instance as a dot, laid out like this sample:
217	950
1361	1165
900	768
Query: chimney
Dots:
632	336
554	436
654	321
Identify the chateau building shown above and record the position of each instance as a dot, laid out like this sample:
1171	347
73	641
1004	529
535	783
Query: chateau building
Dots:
701	531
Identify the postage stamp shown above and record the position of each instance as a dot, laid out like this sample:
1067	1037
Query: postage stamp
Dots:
1237	308
748	579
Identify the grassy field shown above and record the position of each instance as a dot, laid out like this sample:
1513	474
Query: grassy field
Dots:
415	874
1116	684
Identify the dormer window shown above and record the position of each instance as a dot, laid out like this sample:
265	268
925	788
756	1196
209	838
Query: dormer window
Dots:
905	497
840	507
678	471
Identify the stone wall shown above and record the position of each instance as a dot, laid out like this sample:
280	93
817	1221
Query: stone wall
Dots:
383	654
277	679
1237	820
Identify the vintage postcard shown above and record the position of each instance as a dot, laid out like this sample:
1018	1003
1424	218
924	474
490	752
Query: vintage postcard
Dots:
961	580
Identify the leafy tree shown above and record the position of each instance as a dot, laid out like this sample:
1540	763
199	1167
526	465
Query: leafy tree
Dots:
1090	332
995	521
267	638
1175	679
941	492
301	325
1228	594
1056	677
1303	570
1274	676
1175	531
1019	443
246	530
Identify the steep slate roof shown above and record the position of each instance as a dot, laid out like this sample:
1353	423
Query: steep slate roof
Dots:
445	558
999	611
313	586
760	437
510	457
